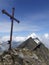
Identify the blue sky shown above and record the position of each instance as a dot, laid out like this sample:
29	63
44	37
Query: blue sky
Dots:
33	16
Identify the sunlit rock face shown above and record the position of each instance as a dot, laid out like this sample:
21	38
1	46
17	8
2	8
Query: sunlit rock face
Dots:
29	43
37	40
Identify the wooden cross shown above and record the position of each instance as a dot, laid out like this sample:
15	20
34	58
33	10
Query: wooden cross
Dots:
12	18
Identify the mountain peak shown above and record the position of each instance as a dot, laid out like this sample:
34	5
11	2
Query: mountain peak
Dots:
29	43
30	39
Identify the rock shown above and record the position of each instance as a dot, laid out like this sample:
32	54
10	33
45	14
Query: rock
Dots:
25	55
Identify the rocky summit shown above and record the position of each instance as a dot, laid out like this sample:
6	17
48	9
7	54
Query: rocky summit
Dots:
30	52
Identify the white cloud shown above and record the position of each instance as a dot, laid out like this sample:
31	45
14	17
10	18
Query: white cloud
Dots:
5	38
44	38
20	39
17	39
33	35
46	35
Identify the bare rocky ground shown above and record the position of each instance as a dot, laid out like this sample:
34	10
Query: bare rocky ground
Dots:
22	57
26	56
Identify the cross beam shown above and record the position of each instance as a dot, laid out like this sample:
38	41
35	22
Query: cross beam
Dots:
4	12
12	18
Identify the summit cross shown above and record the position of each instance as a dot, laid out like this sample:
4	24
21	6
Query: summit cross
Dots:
12	19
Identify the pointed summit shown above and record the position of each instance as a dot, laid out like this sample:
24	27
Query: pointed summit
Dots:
29	43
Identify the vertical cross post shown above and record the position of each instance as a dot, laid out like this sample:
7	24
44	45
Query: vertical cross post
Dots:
11	28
